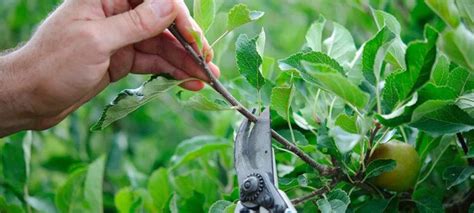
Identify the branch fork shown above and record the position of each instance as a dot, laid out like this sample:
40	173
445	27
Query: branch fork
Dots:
217	85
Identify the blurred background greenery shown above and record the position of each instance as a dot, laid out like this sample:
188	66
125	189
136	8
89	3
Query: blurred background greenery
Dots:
146	140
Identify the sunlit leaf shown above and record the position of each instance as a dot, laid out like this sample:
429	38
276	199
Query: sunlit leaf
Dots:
458	44
281	100
328	78
204	13
315	34
240	14
396	52
340	45
447	10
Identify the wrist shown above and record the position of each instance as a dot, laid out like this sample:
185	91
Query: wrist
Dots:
15	113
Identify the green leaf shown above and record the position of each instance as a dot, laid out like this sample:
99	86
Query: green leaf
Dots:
193	203
374	54
295	61
268	68
441	117
456	79
93	185
458	44
240	15
196	147
377	167
420	57
281	100
329	79
260	43
347	122
230	208
441	71
198	37
466	9
9	201
337	201
126	200
340	45
41	203
396	52
447	10
160	188
129	100
197	182
404	113
16	161
466	103
205	100
300	139
204	12
374	206
82	191
345	141
219	206
249	61
68	197
455	175
314	35
426	202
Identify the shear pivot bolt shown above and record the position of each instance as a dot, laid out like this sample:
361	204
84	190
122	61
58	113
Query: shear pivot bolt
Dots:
251	187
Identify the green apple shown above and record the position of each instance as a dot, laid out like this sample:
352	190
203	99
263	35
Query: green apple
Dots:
405	174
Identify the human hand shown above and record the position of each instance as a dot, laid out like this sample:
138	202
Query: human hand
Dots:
84	46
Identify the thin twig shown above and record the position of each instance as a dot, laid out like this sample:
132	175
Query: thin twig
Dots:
215	83
465	148
373	133
309	196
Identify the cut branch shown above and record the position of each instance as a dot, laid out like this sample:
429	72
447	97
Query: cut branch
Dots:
216	85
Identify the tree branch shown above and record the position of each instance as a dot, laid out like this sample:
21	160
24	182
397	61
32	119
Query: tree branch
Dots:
215	83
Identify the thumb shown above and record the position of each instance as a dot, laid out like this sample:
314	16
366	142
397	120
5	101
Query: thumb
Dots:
148	19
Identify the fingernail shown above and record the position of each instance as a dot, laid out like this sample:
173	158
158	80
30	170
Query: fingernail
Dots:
162	8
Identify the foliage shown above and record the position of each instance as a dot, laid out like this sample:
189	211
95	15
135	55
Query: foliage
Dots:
341	77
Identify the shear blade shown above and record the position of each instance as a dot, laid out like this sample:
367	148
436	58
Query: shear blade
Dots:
253	149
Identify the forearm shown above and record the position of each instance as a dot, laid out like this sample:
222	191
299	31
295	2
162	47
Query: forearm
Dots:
14	115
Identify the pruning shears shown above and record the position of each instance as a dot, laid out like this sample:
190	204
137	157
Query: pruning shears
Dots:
254	163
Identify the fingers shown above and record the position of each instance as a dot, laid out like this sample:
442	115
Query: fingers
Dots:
121	63
186	24
153	64
168	48
145	21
